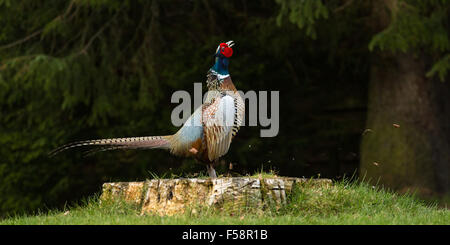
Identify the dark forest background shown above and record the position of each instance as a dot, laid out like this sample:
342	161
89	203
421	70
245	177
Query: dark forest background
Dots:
363	90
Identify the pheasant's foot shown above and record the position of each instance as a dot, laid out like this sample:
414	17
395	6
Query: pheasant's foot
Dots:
211	171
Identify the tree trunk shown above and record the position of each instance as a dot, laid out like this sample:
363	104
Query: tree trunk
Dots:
406	142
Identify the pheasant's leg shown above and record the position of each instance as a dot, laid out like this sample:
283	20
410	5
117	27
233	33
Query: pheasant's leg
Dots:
211	171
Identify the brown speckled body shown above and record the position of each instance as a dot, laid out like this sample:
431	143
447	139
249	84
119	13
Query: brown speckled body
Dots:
213	134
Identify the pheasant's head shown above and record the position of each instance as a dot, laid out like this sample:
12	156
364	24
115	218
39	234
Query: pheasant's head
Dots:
225	50
223	55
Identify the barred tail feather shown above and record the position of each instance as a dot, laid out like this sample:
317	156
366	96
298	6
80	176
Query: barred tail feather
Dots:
106	148
147	142
122	147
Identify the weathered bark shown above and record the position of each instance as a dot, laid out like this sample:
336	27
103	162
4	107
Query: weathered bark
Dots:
175	196
406	142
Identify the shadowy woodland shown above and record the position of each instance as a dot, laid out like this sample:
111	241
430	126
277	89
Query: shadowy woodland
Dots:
363	90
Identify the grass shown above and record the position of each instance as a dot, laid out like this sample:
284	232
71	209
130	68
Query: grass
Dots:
342	203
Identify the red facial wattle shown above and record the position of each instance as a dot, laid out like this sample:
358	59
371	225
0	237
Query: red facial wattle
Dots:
225	50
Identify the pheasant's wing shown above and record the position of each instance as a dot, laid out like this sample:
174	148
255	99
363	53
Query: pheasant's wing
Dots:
239	114
218	120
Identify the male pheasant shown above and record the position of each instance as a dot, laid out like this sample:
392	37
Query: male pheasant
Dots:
208	132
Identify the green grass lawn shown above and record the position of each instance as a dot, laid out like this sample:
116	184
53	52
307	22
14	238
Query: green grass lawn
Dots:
339	204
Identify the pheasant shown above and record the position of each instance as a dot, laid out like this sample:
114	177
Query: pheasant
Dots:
207	133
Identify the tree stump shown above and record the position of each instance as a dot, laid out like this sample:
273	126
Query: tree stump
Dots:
175	196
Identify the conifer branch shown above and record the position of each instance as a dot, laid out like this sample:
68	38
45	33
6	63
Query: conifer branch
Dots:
21	40
343	6
15	43
96	35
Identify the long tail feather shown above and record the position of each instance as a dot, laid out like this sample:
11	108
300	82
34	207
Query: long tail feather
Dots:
106	148
147	142
118	147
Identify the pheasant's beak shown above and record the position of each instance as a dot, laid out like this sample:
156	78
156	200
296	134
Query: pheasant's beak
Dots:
230	43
